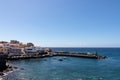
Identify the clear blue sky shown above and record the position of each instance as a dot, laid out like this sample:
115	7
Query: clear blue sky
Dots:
61	23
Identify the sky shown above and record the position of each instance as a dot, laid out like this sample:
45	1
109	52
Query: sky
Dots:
61	23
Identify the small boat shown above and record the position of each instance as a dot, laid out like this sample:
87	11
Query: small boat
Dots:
60	59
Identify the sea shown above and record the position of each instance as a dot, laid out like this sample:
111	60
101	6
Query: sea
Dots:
71	68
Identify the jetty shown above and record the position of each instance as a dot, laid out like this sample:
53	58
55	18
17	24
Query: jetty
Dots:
82	55
52	54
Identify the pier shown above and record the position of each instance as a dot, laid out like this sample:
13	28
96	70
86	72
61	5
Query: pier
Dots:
92	56
52	54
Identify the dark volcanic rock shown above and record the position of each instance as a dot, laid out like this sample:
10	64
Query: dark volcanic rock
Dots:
1	73
3	62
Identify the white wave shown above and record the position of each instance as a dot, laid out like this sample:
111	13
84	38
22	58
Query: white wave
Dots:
7	73
1	78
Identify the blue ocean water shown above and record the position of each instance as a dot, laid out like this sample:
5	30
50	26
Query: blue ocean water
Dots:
71	68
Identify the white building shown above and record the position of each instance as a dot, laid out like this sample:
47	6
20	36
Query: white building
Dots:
30	49
13	49
6	45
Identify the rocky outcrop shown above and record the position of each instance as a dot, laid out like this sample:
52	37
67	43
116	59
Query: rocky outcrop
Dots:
3	62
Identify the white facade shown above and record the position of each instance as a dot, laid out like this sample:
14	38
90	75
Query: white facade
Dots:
14	45
1	45
5	45
30	49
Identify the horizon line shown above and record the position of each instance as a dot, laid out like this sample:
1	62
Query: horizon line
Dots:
81	47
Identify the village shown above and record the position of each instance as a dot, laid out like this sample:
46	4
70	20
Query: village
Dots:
15	48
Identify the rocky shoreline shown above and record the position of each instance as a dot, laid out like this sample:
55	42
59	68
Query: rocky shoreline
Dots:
5	69
9	68
3	65
9	72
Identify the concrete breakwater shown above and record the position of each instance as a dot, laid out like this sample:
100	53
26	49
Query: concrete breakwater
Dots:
51	54
82	55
